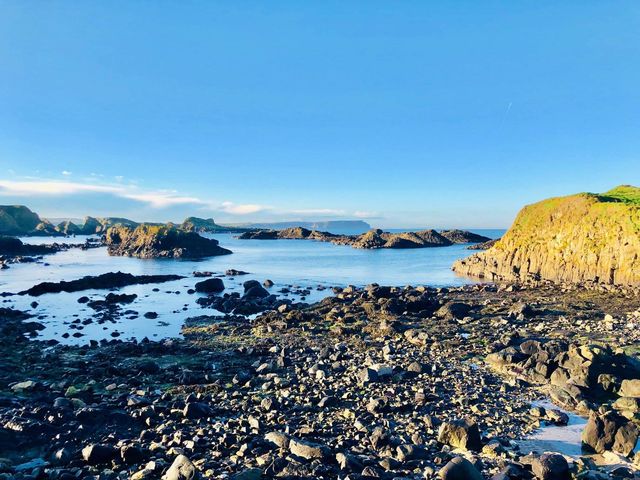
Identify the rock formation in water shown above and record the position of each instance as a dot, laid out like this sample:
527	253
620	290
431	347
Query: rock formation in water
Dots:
463	236
105	281
579	238
151	241
373	239
11	247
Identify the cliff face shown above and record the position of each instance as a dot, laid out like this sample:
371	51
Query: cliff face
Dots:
19	220
580	238
149	241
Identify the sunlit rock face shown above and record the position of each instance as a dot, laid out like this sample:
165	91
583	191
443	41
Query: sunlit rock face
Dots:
580	238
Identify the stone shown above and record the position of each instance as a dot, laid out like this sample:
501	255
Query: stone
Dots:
599	433
97	454
196	410
550	466
462	434
278	439
307	450
210	285
626	439
630	388
181	469
459	468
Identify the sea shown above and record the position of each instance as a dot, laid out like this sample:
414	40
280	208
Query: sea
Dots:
316	266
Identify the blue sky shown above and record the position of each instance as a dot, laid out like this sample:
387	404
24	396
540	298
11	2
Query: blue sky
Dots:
406	114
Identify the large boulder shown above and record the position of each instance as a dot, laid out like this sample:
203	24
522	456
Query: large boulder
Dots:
462	434
550	466
599	435
459	468
181	469
210	285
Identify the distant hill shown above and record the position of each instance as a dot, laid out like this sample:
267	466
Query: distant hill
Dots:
584	237
208	225
339	227
18	220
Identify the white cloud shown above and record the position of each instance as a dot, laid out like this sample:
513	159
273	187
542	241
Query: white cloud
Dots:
30	187
66	173
156	199
242	209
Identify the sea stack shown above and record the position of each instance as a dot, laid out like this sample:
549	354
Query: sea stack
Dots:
579	238
151	241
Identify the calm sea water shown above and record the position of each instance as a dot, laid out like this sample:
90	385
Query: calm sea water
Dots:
286	262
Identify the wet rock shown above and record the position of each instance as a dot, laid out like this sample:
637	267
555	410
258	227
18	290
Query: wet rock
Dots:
211	285
104	281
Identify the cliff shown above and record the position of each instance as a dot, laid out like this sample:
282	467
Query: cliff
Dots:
152	241
579	238
18	220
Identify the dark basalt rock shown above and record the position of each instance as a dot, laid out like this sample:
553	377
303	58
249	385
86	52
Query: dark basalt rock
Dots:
211	285
104	281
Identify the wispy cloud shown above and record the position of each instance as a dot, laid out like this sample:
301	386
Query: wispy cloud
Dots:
242	209
158	200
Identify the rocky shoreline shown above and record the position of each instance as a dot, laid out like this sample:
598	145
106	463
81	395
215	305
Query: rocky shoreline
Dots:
380	382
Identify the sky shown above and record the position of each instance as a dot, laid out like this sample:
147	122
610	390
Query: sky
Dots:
403	114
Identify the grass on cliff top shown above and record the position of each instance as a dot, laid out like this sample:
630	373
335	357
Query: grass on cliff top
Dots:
623	193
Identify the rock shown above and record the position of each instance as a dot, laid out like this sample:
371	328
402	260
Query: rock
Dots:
267	283
278	439
459	468
307	450
599	433
457	310
196	410
530	250
131	454
211	285
181	469
152	241
550	466
626	439
256	292
462	434
630	388
248	474
104	281
97	454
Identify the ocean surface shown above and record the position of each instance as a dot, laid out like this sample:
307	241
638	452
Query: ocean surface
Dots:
298	263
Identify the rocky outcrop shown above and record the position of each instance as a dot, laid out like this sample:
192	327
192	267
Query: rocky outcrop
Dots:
463	236
11	247
373	239
208	225
20	221
104	281
149	241
580	238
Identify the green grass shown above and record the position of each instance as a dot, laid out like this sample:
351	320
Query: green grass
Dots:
623	193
